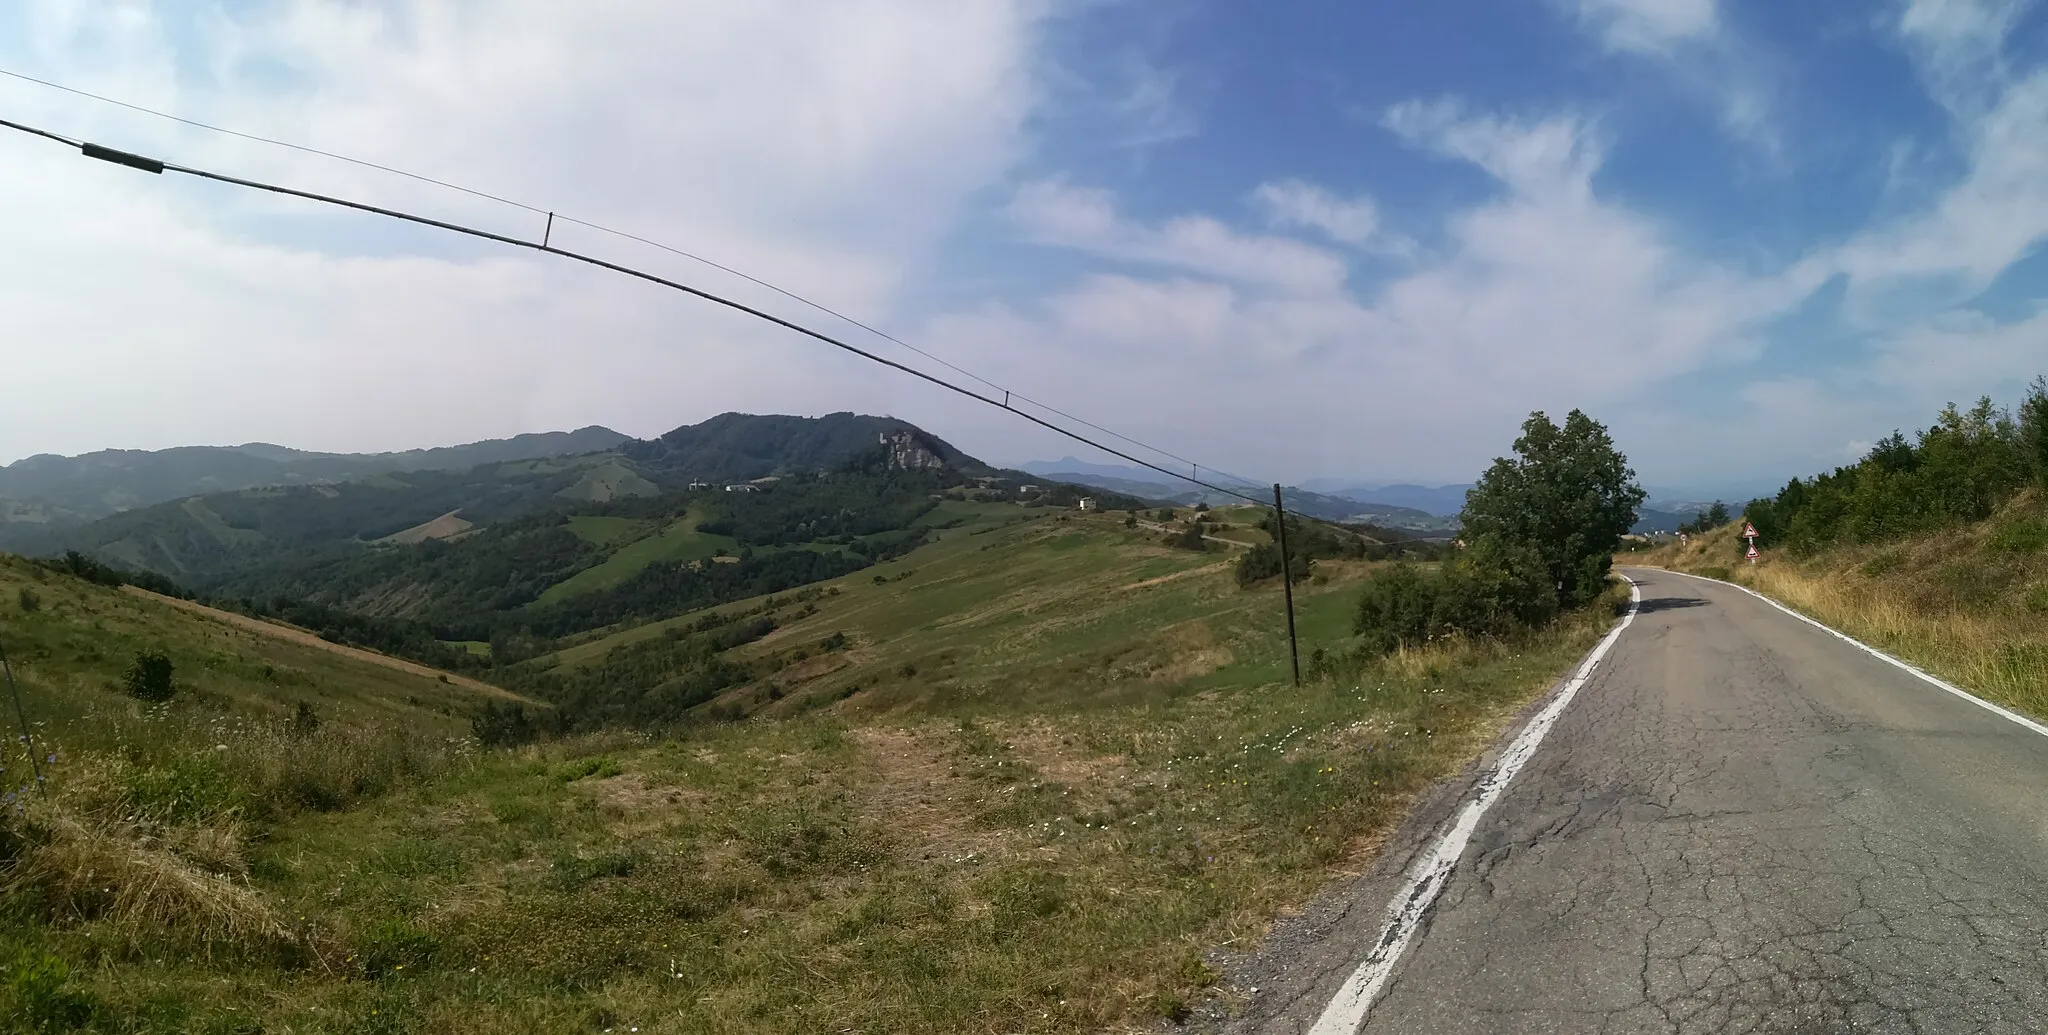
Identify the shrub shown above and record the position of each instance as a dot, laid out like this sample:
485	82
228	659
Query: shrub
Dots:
1189	538
305	720
30	603
1396	606
1493	589
40	996
149	677
1262	562
503	726
2020	535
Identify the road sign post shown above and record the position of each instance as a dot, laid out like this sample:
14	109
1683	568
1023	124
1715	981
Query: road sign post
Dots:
1749	533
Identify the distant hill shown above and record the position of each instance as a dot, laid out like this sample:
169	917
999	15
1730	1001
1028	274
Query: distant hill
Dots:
45	492
545	547
1440	500
1143	483
741	446
1069	467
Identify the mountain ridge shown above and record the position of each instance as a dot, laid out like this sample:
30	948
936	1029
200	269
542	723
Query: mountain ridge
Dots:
47	491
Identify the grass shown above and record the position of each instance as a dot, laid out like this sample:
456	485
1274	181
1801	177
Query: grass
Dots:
1073	772
1968	604
677	541
607	531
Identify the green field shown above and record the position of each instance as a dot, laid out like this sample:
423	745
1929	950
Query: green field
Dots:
607	531
677	541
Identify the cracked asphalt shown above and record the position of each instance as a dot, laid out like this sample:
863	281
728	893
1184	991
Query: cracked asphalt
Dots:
1741	824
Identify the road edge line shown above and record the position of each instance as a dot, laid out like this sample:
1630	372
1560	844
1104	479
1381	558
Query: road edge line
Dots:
1997	709
1347	1009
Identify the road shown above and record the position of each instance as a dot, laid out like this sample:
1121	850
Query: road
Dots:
1739	824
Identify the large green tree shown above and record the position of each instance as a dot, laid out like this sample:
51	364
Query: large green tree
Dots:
1566	498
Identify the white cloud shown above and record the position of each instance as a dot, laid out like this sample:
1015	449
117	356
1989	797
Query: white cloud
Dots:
831	147
1552	157
1546	296
1996	213
1959	44
1352	221
1691	42
1086	219
1149	110
1647	26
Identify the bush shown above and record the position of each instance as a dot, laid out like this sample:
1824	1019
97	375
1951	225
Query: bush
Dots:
1493	589
1189	539
40	997
504	726
305	720
1262	562
1396	607
149	677
2019	535
30	603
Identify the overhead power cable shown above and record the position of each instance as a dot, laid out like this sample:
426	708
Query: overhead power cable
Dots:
553	216
157	166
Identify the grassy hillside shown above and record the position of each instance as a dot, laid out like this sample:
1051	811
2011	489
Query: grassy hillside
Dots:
1967	602
70	642
1028	777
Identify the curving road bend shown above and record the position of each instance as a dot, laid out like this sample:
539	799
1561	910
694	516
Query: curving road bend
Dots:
1740	824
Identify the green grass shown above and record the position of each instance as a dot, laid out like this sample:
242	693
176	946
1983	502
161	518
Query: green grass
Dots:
607	531
1073	766
677	541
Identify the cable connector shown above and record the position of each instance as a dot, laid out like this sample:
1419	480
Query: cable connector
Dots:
108	154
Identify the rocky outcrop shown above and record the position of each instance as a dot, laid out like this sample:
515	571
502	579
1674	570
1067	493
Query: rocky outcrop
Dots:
907	452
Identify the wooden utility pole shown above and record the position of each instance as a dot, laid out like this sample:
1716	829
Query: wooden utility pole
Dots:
1286	580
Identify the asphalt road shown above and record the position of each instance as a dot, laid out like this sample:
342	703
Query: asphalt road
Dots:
1740	824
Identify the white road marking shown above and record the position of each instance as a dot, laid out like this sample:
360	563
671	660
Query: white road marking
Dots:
1426	879
1881	656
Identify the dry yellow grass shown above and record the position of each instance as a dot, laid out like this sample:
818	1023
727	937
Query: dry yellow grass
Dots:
143	883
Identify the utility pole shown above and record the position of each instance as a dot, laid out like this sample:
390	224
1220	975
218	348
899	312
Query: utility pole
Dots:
1286	580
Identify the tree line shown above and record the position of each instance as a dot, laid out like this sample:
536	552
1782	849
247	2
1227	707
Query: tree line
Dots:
1961	469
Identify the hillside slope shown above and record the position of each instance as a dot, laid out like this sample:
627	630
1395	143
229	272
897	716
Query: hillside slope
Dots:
1025	777
1968	602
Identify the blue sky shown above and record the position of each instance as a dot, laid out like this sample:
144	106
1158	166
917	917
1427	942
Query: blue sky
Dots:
1289	240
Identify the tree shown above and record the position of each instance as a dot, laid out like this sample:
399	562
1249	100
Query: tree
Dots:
1567	497
2034	427
1130	520
1189	538
1715	517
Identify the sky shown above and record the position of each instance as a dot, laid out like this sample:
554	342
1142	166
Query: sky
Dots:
1285	240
